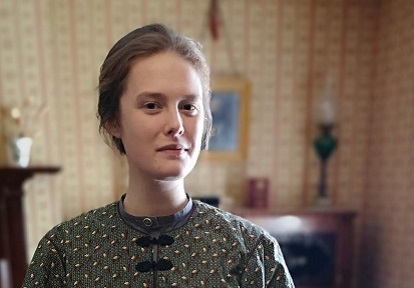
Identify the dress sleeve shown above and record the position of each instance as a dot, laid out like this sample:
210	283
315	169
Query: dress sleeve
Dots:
265	263
275	263
47	268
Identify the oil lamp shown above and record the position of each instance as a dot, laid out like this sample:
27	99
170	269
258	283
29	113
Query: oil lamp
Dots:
325	116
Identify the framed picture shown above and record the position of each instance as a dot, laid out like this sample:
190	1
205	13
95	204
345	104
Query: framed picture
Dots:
229	106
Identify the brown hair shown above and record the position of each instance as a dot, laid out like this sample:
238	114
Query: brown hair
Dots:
140	43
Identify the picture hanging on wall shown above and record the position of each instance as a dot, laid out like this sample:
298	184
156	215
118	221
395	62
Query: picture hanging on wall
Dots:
229	107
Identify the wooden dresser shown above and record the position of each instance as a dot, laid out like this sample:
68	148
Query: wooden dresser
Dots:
317	243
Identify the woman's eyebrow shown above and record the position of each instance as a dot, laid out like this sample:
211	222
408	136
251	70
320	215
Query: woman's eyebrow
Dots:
191	97
148	94
161	96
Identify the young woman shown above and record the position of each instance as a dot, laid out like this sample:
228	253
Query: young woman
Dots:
154	108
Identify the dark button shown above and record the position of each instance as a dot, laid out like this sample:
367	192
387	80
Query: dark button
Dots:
161	265
147	222
163	240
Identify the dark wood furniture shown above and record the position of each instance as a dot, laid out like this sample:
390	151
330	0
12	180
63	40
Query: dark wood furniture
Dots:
317	243
12	241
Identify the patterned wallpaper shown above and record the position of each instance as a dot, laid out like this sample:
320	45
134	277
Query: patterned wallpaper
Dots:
388	207
52	51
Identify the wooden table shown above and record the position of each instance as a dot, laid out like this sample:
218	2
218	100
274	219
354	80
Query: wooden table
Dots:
12	240
303	234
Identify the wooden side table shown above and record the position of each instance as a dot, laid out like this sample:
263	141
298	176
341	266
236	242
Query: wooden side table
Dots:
317	243
12	240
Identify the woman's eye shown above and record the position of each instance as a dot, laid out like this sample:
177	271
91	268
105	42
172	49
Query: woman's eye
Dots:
189	107
151	106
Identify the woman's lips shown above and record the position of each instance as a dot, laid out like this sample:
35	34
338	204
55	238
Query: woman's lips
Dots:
174	150
172	147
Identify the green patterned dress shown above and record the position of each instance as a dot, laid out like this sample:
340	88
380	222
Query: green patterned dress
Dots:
201	246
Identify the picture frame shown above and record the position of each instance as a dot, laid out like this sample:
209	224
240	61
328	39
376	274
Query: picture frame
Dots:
230	109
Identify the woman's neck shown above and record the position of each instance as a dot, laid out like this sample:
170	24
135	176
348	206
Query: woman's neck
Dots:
155	198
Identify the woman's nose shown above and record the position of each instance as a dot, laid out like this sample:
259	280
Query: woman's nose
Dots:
174	125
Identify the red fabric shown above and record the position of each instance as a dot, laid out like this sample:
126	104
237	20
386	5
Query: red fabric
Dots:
214	21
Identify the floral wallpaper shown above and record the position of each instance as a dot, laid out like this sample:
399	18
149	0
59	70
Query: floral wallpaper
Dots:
51	52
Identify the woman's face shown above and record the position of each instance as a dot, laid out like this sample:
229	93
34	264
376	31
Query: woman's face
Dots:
161	117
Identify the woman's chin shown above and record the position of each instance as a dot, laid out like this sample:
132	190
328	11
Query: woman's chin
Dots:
172	175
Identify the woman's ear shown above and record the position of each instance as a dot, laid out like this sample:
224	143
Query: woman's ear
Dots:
113	128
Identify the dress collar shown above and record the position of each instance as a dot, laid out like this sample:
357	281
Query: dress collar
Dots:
161	224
